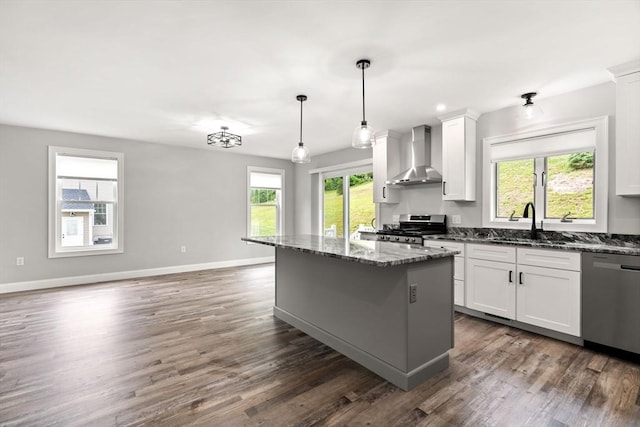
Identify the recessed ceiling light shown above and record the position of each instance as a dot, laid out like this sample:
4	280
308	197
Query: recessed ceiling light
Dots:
441	107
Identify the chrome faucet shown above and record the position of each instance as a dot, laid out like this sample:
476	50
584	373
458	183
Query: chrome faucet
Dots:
525	214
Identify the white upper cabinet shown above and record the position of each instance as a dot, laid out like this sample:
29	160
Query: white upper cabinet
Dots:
627	78
459	155
386	164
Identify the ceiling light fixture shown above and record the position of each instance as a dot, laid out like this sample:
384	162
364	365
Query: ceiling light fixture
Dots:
364	135
300	153
224	139
530	110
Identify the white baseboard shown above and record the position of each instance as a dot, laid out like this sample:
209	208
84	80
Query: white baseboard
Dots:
121	275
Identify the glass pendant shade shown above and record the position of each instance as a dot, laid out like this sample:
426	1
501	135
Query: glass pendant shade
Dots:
300	154
363	136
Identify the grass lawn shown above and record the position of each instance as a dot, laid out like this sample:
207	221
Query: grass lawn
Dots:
263	220
362	208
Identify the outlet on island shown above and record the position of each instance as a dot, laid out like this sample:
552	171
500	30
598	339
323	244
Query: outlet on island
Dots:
183	249
20	260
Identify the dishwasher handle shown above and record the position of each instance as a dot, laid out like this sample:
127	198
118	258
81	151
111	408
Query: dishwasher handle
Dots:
630	267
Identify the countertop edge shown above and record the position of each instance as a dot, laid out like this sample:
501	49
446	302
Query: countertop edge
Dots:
442	253
568	246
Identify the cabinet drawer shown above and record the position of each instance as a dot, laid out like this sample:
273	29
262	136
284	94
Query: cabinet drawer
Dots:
452	246
491	252
563	260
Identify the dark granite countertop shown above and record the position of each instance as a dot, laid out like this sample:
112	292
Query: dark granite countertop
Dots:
580	242
380	254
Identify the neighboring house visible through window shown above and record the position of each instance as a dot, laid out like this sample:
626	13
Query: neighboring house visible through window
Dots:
562	170
265	211
85	202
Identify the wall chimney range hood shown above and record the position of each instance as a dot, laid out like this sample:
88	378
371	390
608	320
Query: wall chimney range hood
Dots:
420	171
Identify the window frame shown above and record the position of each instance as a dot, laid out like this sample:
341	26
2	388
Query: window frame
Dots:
600	175
55	248
280	207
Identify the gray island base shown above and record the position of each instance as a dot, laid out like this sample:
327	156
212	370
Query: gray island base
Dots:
387	306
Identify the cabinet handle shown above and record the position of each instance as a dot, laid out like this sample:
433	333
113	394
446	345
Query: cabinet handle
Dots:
544	179
535	179
520	278
510	276
384	195
444	193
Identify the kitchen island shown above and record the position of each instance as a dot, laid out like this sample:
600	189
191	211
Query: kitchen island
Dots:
387	306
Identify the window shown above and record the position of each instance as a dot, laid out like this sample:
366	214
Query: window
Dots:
347	201
100	214
85	202
562	170
265	210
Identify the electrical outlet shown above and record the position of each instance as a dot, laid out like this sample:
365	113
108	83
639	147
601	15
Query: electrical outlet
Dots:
20	260
395	218
455	219
183	249
413	293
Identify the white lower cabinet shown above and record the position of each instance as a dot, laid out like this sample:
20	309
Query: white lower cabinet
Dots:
549	298
458	267
490	287
525	289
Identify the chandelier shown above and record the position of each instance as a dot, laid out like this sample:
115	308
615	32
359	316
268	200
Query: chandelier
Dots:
224	139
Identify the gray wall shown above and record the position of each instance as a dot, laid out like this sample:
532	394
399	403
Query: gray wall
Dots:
624	212
173	196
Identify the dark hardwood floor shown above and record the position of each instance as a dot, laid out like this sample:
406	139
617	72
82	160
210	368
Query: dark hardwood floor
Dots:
203	348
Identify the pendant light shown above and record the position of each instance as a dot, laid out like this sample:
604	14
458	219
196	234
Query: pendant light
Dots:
363	136
300	152
530	110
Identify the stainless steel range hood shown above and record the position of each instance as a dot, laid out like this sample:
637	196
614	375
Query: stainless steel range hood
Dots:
420	170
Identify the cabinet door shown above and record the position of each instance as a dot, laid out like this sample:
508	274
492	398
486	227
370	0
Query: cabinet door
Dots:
628	135
453	159
458	292
490	287
549	298
386	160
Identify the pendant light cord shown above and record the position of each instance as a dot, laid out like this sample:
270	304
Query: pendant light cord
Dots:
363	117
301	101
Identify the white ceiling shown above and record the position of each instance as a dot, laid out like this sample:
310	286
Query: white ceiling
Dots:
172	71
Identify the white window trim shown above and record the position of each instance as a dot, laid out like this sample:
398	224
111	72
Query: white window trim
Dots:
601	185
280	211
55	250
352	168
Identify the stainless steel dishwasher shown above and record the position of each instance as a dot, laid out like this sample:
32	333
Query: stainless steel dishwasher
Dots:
611	300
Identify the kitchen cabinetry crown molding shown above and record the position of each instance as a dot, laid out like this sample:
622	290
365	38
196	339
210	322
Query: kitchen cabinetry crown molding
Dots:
465	112
625	69
388	133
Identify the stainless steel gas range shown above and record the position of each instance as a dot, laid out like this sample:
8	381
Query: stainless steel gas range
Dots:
410	229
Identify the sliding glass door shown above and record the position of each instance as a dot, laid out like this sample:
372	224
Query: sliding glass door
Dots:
347	202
